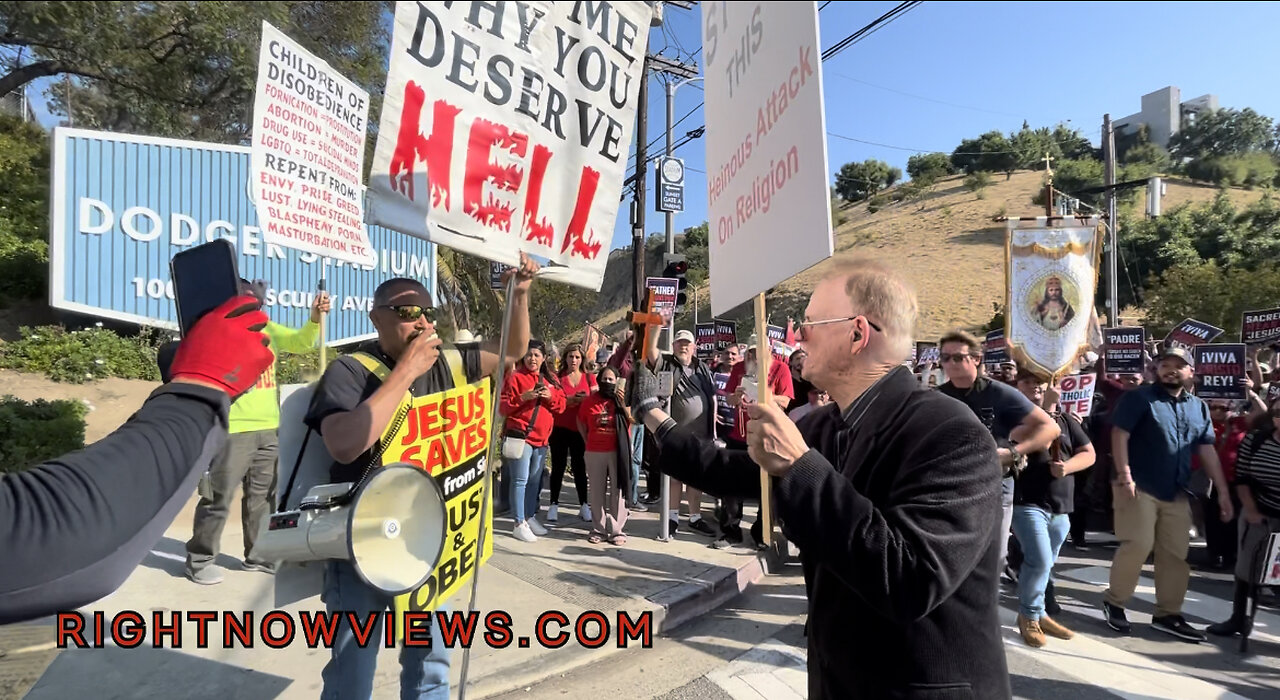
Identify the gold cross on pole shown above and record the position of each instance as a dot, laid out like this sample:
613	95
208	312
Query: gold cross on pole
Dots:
1047	169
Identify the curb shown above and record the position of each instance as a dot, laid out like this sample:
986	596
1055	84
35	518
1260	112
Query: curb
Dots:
672	608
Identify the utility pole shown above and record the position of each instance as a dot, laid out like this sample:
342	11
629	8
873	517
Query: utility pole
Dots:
689	74
638	202
1109	161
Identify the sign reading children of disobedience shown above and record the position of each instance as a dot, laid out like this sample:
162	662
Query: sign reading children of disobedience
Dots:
307	155
767	180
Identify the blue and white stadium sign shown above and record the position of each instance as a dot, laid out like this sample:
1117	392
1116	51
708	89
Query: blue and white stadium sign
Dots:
122	205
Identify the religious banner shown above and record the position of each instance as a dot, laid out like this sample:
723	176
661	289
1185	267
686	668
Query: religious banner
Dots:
1051	273
1125	350
705	336
1191	333
505	128
447	434
1220	371
1260	327
593	339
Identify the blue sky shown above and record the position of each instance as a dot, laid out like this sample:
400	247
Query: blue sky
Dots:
983	66
946	71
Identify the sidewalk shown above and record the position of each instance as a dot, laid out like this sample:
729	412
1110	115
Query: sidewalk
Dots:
673	581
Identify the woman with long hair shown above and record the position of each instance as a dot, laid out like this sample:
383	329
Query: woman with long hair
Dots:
604	421
567	444
531	397
1258	486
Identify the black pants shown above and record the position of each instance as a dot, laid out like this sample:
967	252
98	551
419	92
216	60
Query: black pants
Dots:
1221	539
568	449
729	512
248	460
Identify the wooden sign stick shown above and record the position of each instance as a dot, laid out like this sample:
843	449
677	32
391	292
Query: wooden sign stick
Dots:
764	356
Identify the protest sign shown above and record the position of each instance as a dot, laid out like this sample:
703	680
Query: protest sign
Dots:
705	336
1273	393
1124	350
593	339
1260	327
1191	333
664	296
307	153
506	126
726	333
926	353
1220	371
1271	565
1076	394
994	350
1051	273
447	434
769	211
496	270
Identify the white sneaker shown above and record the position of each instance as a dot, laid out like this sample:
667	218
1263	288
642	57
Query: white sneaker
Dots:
523	533
536	526
553	513
585	513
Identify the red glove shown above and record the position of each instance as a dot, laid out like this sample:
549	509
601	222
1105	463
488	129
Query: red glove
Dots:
226	348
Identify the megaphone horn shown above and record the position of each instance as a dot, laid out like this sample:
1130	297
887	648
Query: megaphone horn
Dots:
392	529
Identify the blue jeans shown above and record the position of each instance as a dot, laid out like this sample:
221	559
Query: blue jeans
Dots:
1041	535
424	671
526	482
637	457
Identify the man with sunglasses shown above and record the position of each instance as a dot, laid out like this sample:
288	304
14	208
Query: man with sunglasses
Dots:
891	493
1019	427
350	411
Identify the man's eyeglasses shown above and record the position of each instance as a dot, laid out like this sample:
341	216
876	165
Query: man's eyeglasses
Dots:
956	357
809	324
412	312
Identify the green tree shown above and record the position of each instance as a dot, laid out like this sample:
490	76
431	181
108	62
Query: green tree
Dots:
977	183
1030	146
182	69
992	152
931	166
1210	293
24	209
1224	132
1072	144
696	253
858	181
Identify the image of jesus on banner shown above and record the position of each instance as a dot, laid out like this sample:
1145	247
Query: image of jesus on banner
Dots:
1052	307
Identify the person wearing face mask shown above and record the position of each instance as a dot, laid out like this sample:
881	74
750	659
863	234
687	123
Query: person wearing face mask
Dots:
1155	430
531	397
603	421
356	401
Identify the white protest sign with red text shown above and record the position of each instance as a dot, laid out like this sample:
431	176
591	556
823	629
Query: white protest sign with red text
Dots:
1076	394
769	212
506	127
307	154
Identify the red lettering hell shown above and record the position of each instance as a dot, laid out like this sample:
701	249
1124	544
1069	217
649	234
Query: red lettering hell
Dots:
436	151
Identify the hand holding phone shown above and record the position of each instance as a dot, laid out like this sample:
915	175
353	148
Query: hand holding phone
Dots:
204	277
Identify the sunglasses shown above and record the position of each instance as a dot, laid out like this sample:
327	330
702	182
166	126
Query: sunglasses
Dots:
412	312
948	357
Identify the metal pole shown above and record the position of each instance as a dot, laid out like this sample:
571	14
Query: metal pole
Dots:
1113	226
637	216
320	291
489	471
671	106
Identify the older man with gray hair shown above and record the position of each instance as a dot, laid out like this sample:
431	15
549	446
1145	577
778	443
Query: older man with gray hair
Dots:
892	494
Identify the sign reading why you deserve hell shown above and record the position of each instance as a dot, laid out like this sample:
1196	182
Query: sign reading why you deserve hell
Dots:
1260	327
447	434
769	211
506	127
1124	349
1220	371
123	205
309	128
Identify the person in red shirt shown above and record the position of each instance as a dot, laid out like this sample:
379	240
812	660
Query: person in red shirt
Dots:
531	396
566	442
604	421
741	395
1230	430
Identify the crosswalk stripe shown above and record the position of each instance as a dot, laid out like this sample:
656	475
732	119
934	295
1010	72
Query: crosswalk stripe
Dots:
1205	607
771	670
1121	672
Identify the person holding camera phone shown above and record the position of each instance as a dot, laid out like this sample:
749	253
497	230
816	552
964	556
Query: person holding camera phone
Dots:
531	396
567	447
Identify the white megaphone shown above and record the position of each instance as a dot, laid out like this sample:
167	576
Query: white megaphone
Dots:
391	529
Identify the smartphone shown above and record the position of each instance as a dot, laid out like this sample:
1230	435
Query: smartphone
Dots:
203	278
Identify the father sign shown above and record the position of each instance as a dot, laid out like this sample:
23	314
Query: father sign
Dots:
309	127
769	211
505	128
1124	351
1220	371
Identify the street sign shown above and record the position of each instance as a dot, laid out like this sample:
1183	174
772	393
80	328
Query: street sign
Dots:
670	184
122	205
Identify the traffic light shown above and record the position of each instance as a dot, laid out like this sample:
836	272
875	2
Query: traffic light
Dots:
676	267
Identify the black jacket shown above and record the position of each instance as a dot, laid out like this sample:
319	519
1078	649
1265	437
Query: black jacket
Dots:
74	528
898	542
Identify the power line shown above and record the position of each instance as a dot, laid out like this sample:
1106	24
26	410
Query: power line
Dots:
876	24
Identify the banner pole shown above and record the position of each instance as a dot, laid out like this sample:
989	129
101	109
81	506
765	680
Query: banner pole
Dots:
323	317
764	356
489	472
